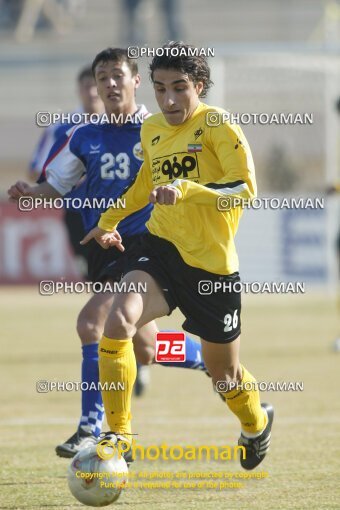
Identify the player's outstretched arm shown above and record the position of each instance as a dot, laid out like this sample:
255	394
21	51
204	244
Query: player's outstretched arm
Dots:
135	197
104	238
238	182
163	195
22	189
208	194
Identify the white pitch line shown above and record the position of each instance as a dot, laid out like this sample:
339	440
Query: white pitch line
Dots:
36	421
192	422
198	422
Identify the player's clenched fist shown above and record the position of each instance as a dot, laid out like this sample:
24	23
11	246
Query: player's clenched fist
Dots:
104	238
164	195
19	189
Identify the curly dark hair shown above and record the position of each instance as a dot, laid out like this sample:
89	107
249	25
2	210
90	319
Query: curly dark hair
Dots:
186	59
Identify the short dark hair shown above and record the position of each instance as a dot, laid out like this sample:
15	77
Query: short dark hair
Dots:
85	72
117	55
195	66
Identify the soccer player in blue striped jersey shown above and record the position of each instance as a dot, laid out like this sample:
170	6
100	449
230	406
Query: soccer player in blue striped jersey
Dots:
110	156
90	103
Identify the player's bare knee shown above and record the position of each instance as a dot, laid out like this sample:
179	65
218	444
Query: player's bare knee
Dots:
89	330
119	325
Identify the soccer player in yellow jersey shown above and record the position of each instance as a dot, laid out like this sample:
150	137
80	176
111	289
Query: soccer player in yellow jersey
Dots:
188	166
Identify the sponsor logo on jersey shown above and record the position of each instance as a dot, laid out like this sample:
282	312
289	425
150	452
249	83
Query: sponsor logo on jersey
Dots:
198	133
179	165
155	140
94	149
238	142
138	151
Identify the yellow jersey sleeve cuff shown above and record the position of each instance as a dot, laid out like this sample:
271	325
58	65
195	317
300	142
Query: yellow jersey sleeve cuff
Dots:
177	185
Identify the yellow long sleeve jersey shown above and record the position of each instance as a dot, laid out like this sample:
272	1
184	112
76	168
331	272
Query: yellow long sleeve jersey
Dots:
204	163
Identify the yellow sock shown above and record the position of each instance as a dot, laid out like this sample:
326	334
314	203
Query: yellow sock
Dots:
117	364
245	403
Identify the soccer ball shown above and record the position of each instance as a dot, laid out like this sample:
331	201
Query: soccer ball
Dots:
94	481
